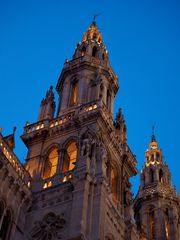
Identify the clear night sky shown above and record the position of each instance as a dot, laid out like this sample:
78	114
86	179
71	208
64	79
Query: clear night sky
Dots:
143	40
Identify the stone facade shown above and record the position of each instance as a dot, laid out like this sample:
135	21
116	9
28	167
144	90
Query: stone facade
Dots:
75	182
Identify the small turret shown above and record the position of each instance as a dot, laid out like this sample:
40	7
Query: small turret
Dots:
120	126
47	107
156	205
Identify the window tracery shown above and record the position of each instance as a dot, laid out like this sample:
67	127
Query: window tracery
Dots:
49	228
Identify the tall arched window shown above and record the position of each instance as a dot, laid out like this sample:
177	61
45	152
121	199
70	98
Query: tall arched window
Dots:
6	224
70	157
108	100
114	180
74	93
94	51
151	176
51	163
83	51
101	92
161	176
166	221
152	224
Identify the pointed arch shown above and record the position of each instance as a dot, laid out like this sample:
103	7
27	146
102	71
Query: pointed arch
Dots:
151	175
161	180
83	51
166	223
70	156
74	92
94	51
108	100
51	161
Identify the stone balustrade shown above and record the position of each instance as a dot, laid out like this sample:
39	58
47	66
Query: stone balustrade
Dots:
54	180
60	120
13	160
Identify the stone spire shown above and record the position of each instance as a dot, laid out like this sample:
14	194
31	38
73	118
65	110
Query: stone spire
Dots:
48	105
93	34
120	126
92	45
153	155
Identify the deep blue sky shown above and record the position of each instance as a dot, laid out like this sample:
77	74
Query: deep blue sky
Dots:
143	40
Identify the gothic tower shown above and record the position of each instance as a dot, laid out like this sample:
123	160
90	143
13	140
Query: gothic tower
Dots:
79	160
156	206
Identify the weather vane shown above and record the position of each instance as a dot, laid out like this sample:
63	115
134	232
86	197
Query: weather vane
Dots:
153	127
95	16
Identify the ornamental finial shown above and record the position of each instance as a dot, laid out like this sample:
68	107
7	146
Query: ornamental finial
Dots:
153	139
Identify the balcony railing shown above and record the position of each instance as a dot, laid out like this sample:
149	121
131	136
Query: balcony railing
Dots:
56	179
13	160
29	128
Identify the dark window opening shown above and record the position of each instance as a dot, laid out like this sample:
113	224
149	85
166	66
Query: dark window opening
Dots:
94	51
5	225
151	176
161	176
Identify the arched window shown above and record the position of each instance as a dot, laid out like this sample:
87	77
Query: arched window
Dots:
161	176
94	51
51	164
151	176
103	56
6	224
166	221
108	100
83	51
70	157
152	224
101	91
74	93
114	180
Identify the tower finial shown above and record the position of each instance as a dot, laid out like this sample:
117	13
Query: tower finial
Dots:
153	135
94	18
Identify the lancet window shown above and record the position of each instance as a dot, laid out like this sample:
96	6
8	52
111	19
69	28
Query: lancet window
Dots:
94	51
70	157
51	162
151	176
108	100
166	221
74	93
161	176
114	181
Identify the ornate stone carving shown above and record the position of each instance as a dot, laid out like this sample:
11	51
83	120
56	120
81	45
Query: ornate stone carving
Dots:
50	228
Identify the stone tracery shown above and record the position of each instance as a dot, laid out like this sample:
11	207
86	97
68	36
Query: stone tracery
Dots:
49	228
